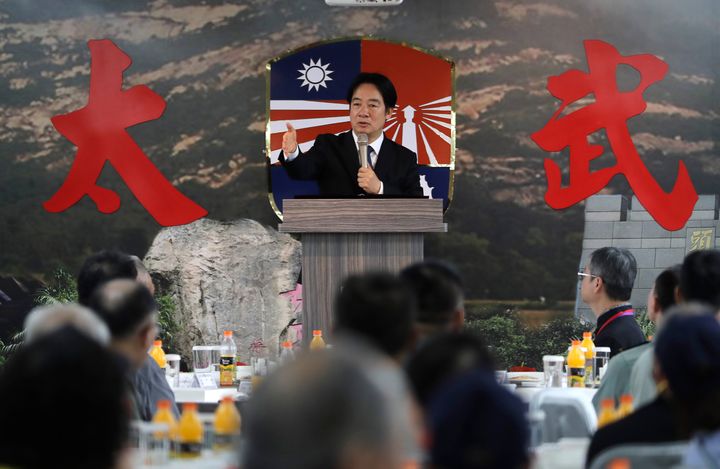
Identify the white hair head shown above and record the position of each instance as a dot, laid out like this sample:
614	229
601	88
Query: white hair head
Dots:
43	320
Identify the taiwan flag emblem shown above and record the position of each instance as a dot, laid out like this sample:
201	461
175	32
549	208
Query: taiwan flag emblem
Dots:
309	86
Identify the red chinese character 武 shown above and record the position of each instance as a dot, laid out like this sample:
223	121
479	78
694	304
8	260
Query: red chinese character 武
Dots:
98	132
610	111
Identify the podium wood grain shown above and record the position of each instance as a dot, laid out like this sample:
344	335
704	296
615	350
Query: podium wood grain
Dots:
347	236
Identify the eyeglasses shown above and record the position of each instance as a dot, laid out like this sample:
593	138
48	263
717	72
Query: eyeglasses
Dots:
583	274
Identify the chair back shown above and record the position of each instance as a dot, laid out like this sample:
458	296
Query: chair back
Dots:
569	413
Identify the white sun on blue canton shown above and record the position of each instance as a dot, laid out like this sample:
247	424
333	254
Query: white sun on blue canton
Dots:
315	75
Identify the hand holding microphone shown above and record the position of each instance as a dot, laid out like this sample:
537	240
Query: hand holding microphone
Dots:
367	179
362	149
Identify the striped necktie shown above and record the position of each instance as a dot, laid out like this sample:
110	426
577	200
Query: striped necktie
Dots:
370	153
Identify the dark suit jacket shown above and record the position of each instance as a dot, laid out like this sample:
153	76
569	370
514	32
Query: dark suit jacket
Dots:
621	334
333	162
653	423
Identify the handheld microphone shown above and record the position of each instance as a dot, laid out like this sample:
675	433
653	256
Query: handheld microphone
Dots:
362	149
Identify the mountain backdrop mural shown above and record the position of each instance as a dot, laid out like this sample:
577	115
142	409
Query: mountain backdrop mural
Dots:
207	59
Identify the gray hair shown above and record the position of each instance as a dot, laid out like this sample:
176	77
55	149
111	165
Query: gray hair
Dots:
312	413
43	320
617	268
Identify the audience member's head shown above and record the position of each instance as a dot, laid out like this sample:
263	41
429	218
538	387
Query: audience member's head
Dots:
379	308
444	357
687	353
102	267
662	295
321	412
64	404
700	277
609	280
438	290
617	268
475	422
43	320
128	309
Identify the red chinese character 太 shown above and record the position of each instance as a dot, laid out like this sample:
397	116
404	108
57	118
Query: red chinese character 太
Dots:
98	132
610	111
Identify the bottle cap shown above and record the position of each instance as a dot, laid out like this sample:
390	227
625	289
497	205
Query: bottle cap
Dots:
607	402
626	399
287	344
163	404
227	333
317	333
157	343
228	399
587	335
190	406
576	343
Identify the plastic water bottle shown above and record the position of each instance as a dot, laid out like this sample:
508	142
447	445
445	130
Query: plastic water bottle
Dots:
190	432
576	366
165	416
607	413
286	353
227	424
626	406
589	346
317	342
228	351
157	353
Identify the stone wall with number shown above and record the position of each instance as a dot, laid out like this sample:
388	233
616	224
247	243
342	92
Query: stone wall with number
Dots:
612	220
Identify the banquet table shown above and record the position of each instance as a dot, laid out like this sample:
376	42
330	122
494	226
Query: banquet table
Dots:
567	453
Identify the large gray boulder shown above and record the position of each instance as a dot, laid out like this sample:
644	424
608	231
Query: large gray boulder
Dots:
226	276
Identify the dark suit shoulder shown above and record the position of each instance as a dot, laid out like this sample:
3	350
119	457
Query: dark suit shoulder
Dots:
652	423
622	334
402	151
332	139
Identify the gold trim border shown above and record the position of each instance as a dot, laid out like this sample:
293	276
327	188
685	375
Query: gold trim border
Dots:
453	106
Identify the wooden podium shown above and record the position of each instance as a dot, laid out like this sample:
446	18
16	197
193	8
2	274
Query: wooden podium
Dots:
345	236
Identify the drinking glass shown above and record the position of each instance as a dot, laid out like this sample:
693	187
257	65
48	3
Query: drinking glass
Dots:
172	370
151	442
203	358
553	370
602	356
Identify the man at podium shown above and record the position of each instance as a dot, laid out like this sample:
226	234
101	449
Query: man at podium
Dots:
333	160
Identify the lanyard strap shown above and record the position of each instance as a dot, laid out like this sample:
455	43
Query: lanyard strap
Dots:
625	312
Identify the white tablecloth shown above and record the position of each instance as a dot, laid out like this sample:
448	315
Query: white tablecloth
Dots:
568	453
